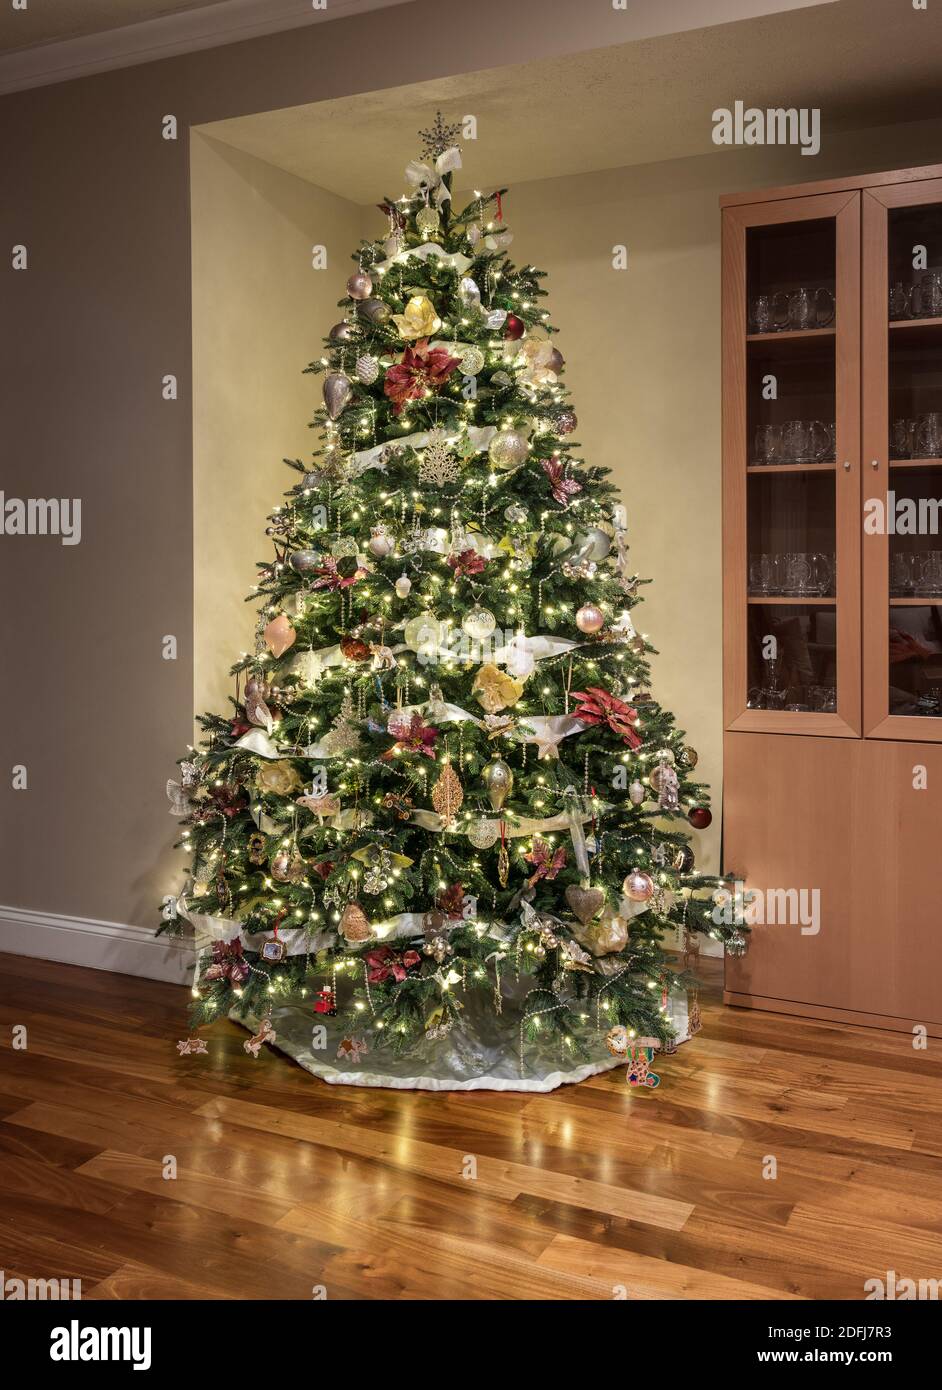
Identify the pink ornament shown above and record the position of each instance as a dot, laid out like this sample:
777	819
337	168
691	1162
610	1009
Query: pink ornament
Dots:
279	635
590	618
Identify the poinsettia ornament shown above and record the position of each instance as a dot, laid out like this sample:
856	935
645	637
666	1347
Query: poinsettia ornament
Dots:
412	736
422	370
384	963
227	963
330	577
597	706
546	864
563	488
466	562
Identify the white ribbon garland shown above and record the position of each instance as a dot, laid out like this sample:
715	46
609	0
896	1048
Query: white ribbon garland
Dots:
364	459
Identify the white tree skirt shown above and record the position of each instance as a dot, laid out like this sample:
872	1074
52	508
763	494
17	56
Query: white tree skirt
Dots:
481	1052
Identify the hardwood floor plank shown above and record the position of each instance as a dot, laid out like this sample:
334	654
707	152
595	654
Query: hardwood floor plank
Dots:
286	1185
645	1278
437	1161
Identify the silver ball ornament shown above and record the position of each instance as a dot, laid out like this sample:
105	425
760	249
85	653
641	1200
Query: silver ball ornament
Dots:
359	286
342	332
303	561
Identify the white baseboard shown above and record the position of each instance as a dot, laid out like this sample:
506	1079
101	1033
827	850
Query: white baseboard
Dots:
97	945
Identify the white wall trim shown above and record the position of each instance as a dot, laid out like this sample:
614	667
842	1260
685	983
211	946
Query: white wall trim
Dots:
210	26
97	945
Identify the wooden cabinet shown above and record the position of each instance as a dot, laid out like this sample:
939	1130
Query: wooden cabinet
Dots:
832	477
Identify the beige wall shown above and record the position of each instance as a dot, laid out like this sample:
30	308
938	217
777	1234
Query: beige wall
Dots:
642	351
642	361
104	311
259	312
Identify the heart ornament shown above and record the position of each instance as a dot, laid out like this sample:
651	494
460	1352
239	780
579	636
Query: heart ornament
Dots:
585	903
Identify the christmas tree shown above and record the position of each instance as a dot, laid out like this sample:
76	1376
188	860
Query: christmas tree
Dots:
443	834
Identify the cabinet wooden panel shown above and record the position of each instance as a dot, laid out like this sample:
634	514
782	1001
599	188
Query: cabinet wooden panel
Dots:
841	816
784	374
833	807
902	458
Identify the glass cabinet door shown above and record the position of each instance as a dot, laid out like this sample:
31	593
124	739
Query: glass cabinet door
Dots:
902	453
791	345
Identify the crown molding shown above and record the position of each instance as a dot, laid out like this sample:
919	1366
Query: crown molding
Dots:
210	26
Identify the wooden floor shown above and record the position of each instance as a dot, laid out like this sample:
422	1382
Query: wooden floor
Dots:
285	1183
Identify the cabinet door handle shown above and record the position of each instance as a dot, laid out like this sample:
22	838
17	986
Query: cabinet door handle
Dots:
874	463
847	465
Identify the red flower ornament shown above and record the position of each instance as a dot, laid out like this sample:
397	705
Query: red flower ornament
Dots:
597	706
421	371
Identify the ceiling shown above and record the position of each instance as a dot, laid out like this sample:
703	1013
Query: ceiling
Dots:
864	63
138	24
46	21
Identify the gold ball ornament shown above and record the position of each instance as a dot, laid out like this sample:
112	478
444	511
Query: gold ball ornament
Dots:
508	449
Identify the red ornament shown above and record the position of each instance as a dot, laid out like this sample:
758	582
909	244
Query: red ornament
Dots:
354	649
325	1003
700	817
514	328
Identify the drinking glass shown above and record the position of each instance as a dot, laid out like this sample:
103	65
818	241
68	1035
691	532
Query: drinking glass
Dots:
758	576
927	296
810	308
763	315
821	573
804	441
767	444
903	573
901	297
901	439
798	571
927	439
930	573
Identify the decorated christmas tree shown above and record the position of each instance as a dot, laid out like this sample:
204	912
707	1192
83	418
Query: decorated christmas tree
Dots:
444	833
